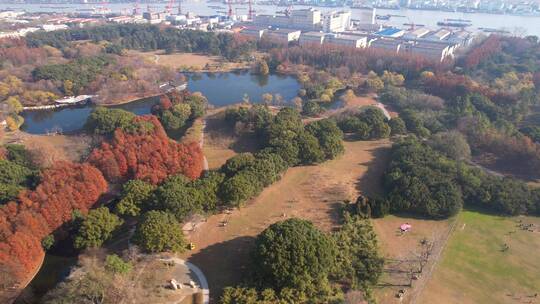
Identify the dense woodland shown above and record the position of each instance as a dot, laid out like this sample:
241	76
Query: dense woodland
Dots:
148	37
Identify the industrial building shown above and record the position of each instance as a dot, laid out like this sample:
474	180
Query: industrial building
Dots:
432	50
254	32
416	33
346	40
391	32
386	44
311	38
439	35
282	35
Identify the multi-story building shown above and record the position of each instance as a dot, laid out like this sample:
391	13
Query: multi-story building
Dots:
366	15
337	22
305	19
312	38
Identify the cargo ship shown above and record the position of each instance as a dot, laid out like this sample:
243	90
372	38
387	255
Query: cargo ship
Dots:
455	23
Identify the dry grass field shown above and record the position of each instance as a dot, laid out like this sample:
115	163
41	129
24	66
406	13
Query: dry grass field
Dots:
47	149
177	60
310	192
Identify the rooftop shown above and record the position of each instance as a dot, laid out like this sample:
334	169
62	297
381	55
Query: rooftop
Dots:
389	32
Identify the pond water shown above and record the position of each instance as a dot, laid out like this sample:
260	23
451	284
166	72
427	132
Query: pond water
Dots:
220	88
228	88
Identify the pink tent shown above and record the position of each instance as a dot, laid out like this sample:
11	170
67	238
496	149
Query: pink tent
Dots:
405	227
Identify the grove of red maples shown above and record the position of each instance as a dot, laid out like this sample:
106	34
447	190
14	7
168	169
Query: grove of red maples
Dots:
66	187
150	156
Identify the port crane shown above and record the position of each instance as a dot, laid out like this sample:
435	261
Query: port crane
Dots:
136	9
250	11
169	7
230	12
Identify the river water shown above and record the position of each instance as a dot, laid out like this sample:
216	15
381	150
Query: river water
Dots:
220	88
530	24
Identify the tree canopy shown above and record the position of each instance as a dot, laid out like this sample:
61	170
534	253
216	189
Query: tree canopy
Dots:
159	231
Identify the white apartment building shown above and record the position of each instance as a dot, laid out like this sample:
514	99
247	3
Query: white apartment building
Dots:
304	19
337	22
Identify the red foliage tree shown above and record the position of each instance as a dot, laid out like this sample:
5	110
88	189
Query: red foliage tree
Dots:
487	48
149	156
64	188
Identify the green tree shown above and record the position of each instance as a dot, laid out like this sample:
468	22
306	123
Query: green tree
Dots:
453	144
178	198
237	163
47	242
104	121
309	149
294	254
329	136
96	228
358	259
115	264
160	231
208	186
239	188
311	108
397	126
135	194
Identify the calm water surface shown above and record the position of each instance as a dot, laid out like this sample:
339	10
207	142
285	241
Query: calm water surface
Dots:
428	18
220	88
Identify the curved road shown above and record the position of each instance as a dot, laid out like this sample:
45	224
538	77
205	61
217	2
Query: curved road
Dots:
200	277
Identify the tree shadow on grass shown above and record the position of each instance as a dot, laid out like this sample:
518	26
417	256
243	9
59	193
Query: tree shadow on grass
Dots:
370	183
218	130
225	264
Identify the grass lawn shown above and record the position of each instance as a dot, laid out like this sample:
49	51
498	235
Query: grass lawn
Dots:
474	269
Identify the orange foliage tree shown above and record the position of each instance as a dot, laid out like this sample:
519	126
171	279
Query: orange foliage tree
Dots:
149	155
65	187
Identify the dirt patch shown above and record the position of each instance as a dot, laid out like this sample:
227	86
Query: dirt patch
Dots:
311	192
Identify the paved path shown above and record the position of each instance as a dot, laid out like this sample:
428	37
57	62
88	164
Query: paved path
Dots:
200	277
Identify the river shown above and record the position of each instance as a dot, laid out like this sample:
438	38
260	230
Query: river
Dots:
221	89
531	24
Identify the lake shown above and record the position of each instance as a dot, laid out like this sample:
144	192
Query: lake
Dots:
221	89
